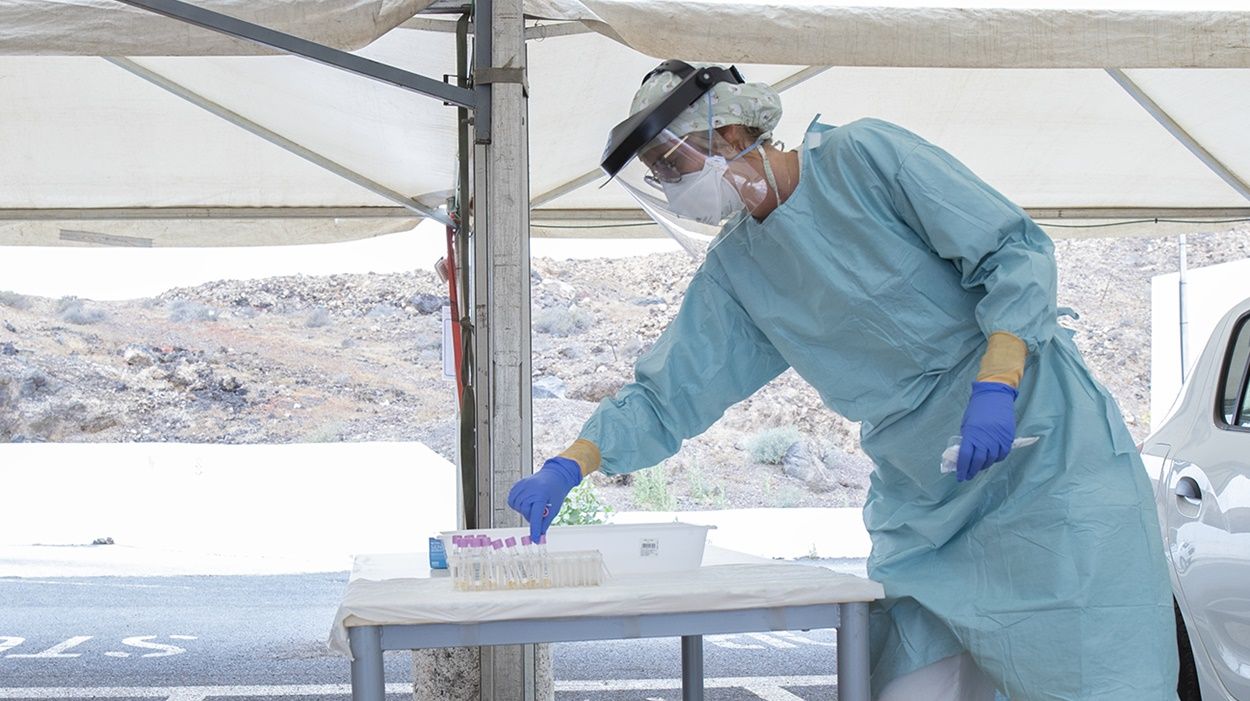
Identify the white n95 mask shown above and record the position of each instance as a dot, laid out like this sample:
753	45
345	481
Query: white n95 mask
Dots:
707	196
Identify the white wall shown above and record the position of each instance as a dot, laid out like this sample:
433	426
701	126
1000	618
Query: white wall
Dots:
1210	293
314	504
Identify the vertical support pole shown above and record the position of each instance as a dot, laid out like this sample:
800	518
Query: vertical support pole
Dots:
466	402
368	680
501	308
692	668
853	670
441	674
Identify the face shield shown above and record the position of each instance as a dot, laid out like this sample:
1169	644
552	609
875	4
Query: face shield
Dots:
693	183
689	183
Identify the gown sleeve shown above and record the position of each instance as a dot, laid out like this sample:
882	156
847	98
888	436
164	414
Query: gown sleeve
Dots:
711	356
991	242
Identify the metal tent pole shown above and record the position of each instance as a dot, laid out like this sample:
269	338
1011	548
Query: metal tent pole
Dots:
287	43
501	306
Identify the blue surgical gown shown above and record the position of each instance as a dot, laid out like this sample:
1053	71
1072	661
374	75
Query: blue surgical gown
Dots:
879	281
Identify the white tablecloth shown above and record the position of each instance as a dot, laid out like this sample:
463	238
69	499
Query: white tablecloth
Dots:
376	597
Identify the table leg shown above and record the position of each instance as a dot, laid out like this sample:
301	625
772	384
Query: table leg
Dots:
853	670
692	668
368	680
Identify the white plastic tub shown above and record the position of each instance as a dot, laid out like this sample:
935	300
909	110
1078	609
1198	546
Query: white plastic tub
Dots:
640	548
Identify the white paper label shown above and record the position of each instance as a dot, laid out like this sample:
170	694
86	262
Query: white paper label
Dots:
449	346
650	547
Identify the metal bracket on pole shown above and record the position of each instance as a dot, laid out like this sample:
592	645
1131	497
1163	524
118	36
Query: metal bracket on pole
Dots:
490	76
535	33
483	60
296	46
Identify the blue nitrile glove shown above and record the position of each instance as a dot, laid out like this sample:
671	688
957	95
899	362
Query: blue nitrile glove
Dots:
988	428
539	497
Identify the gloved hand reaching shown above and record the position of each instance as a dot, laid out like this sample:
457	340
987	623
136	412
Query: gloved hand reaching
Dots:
539	497
988	428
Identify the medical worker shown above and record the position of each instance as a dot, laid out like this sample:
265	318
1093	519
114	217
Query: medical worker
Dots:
921	302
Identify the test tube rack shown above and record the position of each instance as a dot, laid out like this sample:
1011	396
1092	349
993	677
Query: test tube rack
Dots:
478	563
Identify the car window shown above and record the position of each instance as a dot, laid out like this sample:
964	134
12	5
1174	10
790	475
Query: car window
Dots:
1233	395
1245	400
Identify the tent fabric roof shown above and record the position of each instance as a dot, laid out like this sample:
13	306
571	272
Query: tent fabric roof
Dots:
87	140
986	34
109	28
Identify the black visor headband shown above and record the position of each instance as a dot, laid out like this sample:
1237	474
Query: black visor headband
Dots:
629	136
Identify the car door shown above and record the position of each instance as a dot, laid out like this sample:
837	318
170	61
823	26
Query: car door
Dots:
1208	521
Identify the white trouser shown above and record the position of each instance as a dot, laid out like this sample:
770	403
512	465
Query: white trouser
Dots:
955	678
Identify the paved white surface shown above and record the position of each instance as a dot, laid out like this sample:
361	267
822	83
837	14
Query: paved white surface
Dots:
216	509
180	509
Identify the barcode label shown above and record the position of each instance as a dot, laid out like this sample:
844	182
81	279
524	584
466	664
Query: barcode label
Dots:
650	547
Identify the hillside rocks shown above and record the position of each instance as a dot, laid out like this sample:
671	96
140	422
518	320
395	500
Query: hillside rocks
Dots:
358	358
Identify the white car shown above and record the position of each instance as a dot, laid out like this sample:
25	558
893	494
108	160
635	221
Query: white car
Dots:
1199	460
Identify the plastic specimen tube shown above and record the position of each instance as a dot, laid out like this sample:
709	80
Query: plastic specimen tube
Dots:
950	456
479	563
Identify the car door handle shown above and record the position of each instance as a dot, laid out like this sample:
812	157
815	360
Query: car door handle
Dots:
1187	489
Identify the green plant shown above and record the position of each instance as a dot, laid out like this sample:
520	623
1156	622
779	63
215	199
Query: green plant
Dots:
329	432
317	318
650	490
582	507
188	310
563	321
15	300
702	492
789	497
770	446
71	309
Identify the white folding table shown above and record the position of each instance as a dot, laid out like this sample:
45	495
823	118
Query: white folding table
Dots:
392	603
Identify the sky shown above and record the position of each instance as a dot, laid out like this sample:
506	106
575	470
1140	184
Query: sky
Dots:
129	273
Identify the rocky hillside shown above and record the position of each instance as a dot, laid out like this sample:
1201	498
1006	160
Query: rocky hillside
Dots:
357	358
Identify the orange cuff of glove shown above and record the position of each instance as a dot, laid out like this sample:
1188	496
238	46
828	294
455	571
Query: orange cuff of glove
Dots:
1003	360
585	454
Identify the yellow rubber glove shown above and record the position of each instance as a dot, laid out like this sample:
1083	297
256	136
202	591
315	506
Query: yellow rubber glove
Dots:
585	454
1003	360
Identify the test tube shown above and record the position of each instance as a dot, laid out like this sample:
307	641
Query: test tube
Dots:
481	563
454	561
497	578
544	557
460	569
527	555
518	562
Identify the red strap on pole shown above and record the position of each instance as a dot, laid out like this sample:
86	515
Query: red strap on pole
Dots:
455	309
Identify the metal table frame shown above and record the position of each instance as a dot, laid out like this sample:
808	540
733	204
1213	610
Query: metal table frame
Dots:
368	642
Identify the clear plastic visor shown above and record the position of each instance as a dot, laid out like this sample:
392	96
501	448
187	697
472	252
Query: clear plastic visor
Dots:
692	184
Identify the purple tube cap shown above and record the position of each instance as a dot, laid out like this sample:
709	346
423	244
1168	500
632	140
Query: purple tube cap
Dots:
525	540
510	542
542	540
497	544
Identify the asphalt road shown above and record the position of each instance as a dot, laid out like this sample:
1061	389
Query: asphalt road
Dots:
201	638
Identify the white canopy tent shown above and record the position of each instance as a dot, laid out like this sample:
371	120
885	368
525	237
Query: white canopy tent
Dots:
198	139
172	147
